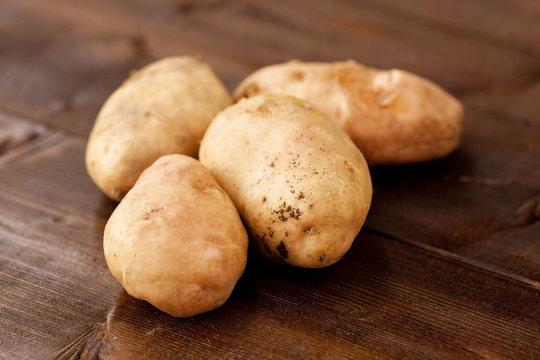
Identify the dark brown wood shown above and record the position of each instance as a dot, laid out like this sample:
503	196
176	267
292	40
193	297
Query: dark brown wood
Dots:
480	203
16	132
70	73
499	21
383	300
447	266
55	285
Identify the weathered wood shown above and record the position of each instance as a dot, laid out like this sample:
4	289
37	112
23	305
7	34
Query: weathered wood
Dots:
448	263
480	203
55	284
517	106
499	21
16	131
384	300
62	77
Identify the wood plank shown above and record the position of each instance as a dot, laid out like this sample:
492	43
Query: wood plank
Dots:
504	25
517	105
384	300
16	132
455	274
54	71
480	203
55	284
62	77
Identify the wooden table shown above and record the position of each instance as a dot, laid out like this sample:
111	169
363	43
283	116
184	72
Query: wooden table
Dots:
447	265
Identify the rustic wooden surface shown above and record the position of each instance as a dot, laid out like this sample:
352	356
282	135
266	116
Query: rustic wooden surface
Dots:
447	266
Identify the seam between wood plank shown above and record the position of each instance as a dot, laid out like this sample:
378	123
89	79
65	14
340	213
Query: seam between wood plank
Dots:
459	259
40	143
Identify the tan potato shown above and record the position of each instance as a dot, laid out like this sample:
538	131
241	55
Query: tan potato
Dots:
176	239
394	117
162	109
301	186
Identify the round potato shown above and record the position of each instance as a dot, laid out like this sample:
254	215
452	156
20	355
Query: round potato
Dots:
393	116
301	186
176	239
162	109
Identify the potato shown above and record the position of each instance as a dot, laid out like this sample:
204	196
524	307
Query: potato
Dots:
176	239
301	186
162	109
393	116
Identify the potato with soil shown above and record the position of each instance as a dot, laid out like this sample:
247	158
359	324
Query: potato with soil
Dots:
393	116
176	239
162	109
301	186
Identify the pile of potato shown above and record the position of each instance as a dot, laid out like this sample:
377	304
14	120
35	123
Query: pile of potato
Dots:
286	169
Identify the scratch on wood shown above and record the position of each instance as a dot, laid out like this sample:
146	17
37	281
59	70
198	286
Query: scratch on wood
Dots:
50	139
93	345
16	132
485	181
529	212
75	347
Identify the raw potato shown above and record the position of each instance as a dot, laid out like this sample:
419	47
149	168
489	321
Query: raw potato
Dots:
393	116
301	186
162	109
176	239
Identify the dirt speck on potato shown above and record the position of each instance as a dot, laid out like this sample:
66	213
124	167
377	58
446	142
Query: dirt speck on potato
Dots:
286	212
282	249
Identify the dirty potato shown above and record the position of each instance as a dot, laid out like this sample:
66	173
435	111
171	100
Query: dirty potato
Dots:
176	239
301	186
162	109
394	117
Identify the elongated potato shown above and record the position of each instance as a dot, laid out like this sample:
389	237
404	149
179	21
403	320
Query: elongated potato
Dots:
393	116
301	186
162	109
176	239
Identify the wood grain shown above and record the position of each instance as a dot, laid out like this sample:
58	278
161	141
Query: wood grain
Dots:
16	131
62	71
384	300
55	284
447	267
504	25
480	203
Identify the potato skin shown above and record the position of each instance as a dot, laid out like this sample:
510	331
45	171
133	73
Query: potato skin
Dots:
301	186
394	117
176	239
162	109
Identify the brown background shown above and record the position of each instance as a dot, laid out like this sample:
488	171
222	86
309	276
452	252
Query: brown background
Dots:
447	266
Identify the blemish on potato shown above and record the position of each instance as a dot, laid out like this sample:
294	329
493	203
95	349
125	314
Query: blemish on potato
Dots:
295	214
152	211
282	249
199	186
251	89
264	198
297	75
215	239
